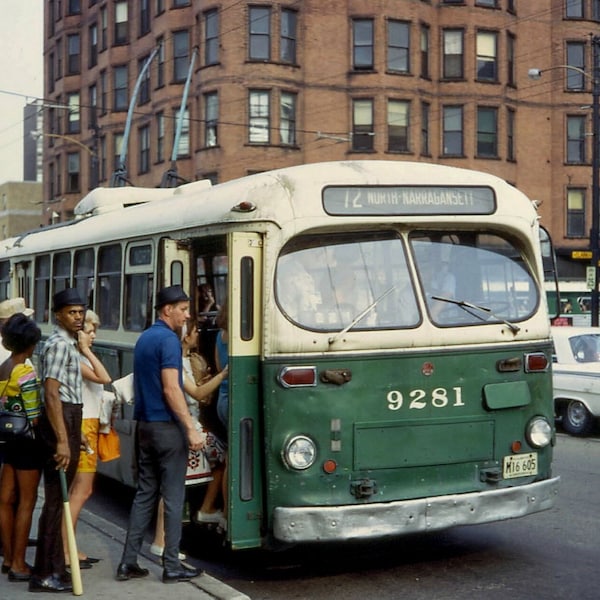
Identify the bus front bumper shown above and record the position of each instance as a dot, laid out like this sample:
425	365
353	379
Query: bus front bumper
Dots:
377	520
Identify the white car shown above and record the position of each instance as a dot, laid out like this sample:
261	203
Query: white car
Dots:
576	377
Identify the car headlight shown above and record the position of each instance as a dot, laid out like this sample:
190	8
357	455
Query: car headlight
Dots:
539	432
300	452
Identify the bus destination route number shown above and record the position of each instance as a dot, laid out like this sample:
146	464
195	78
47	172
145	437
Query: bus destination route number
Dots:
520	465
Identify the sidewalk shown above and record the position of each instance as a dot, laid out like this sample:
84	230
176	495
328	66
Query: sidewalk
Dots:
104	540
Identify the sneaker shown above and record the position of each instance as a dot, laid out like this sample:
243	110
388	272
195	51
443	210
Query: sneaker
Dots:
215	517
159	551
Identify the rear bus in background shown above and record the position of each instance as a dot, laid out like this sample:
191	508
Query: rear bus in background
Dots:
389	339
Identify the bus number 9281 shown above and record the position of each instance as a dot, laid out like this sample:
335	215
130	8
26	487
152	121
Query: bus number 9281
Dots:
389	341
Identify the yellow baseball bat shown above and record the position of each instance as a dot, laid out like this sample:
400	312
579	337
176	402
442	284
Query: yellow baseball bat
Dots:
72	542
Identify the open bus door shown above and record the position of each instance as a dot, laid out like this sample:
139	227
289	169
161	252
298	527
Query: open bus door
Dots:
245	423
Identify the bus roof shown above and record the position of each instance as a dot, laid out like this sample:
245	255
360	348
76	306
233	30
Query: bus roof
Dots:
277	196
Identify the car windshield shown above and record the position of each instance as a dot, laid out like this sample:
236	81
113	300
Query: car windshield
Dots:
373	281
585	347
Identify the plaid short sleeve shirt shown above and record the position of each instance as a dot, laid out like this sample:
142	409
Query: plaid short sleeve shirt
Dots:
61	360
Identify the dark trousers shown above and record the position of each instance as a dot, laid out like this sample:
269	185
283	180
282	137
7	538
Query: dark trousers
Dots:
50	555
162	464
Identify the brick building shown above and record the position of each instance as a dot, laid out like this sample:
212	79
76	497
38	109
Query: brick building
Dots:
288	82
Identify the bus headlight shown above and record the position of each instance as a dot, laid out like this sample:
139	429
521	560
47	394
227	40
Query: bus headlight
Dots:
300	452
539	432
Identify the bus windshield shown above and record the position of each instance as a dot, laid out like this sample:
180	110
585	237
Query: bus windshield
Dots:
367	282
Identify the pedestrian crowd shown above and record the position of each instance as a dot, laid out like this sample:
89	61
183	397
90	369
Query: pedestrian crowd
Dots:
54	423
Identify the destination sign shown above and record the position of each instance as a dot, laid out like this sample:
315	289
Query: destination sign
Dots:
408	200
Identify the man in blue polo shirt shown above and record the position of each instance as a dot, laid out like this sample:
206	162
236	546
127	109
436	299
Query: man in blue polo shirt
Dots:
165	430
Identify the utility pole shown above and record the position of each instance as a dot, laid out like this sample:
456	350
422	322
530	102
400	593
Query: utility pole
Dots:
594	230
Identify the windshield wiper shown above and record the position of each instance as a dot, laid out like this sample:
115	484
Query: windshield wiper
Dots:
468	305
362	314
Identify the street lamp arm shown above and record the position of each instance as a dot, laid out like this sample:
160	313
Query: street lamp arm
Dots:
537	73
37	134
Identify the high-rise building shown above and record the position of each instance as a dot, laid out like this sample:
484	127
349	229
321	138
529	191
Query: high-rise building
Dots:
271	84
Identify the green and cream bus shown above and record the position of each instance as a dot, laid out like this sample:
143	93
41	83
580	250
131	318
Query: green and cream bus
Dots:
389	339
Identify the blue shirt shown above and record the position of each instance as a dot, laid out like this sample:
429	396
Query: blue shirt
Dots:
157	348
60	360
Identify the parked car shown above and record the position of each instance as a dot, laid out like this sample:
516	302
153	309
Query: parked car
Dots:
576	377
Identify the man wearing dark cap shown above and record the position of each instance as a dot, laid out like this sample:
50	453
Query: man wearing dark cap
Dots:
164	431
60	424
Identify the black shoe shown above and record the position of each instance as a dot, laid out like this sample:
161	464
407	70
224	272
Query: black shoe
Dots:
12	576
83	564
52	583
91	560
5	569
127	571
181	574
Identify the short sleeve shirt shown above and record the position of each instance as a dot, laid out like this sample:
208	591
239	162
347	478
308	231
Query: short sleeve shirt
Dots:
157	348
60	360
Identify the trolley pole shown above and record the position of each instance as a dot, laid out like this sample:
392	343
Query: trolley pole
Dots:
594	230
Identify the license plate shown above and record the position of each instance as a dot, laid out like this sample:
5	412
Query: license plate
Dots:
520	465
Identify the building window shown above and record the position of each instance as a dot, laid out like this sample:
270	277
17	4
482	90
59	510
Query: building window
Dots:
102	162
425	109
510	59
287	119
362	44
144	17
211	119
144	145
453	131
576	139
104	28
160	6
488	3
576	212
487	61
425	51
120	100
398	47
398	120
259	27
575	58
181	51
574	9
51	72
160	62
59	59
121	23
362	125
453	54
93	41
596	10
144	89
287	45
487	132
211	33
51	9
259	121
73	171
74	54
103	93
74	123
510	134
179	3
183	147
117	146
160	137
74	7
92	107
